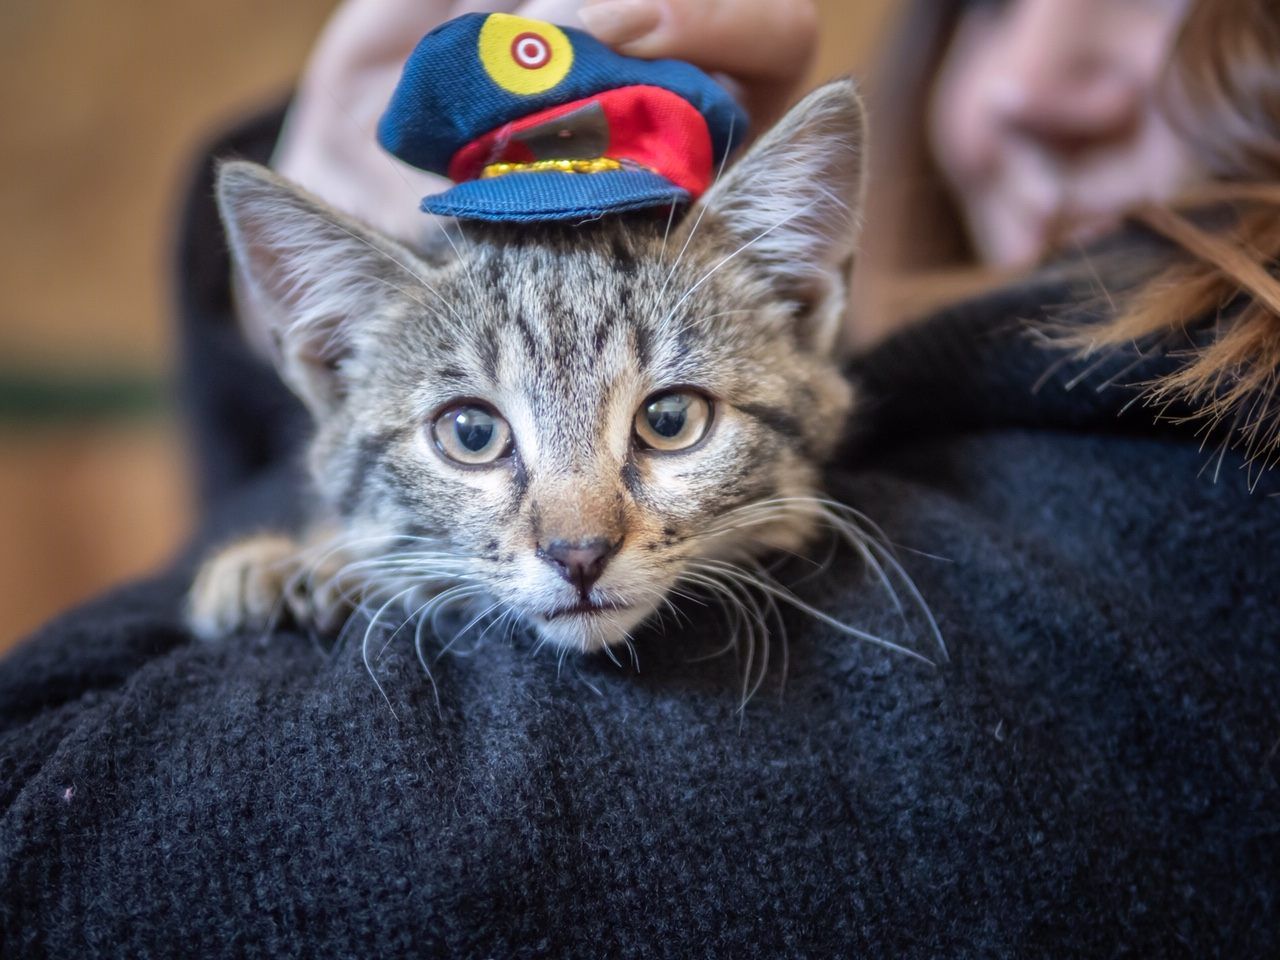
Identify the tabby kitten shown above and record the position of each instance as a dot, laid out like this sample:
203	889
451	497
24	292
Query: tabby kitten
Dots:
559	422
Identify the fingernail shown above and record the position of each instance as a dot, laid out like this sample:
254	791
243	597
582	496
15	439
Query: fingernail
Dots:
620	21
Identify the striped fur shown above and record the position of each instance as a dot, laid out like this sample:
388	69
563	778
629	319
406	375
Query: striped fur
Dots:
566	330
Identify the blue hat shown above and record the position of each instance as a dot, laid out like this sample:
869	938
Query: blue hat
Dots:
537	122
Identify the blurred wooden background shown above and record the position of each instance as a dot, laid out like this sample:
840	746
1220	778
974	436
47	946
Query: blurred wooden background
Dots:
103	106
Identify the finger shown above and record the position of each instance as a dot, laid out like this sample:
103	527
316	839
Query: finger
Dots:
765	45
563	12
748	39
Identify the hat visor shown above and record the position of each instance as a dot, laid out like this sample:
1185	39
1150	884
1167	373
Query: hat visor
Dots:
553	195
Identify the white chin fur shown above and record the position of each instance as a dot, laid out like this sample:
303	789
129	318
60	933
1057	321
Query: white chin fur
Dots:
591	632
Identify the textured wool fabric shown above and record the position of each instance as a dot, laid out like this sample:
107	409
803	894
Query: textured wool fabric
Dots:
1092	773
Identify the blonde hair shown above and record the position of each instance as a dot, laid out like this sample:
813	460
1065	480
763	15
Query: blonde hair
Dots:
1223	93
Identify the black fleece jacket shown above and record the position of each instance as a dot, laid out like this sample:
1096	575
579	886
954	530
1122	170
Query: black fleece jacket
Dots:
1093	772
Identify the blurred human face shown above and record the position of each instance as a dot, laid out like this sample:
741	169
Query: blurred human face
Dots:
1045	119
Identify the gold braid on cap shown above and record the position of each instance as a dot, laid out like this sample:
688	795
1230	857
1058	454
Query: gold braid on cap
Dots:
596	165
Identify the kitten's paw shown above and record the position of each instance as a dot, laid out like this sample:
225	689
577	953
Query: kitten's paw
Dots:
318	594
253	582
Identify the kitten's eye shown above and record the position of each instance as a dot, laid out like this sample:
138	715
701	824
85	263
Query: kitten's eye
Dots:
673	421
472	434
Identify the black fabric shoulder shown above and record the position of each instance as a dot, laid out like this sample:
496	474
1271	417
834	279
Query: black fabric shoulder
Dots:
998	360
991	361
1092	770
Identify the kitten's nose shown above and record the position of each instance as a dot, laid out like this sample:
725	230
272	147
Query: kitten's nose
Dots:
581	562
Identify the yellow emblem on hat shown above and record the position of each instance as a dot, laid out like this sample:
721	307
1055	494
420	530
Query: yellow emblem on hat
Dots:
524	56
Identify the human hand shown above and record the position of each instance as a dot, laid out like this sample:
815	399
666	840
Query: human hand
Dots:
329	143
764	47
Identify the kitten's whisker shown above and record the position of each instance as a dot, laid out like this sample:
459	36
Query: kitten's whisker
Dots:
420	618
334	545
420	650
702	212
671	218
772	608
789	598
587	683
916	595
396	632
877	542
435	314
859	542
403	266
463	632
703	319
374	621
872	544
748	616
718	595
746	246
759	620
627	639
483	633
364	650
465	261
608	650
427	565
514	623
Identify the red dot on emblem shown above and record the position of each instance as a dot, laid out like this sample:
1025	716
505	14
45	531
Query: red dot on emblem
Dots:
530	51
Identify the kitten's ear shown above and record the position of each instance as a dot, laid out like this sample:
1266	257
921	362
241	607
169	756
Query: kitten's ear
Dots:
309	275
792	205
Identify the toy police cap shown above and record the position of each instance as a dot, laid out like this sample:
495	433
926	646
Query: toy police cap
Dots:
537	122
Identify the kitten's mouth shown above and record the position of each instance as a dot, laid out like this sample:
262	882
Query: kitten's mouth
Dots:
583	610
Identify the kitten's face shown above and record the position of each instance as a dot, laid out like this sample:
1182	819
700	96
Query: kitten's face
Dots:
575	430
577	414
